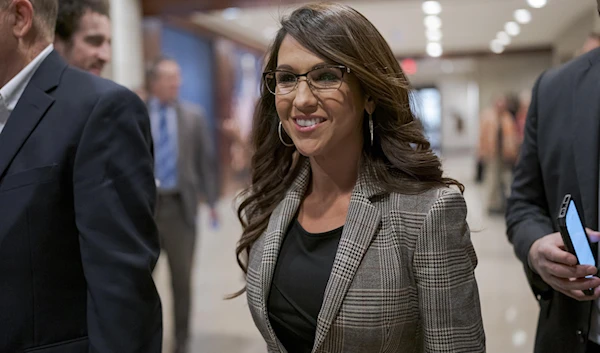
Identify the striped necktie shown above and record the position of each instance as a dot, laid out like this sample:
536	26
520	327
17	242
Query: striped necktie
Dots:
166	152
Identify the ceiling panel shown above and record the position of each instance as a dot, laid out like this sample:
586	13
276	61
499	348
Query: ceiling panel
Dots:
467	25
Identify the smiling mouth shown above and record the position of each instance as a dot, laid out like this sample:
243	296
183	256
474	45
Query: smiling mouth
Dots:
309	122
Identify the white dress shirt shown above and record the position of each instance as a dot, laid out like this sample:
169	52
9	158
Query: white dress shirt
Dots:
13	90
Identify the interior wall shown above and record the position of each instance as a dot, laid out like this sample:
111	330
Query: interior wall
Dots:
509	74
571	39
472	85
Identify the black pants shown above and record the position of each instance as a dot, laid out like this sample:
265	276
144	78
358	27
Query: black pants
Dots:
592	347
178	239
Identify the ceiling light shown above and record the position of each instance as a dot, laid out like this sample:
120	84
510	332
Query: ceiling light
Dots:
503	38
512	28
433	22
431	8
433	35
434	49
537	4
496	46
523	16
231	13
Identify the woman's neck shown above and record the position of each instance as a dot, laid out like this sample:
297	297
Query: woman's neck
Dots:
335	174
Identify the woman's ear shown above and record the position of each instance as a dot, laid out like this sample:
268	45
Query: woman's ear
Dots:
369	105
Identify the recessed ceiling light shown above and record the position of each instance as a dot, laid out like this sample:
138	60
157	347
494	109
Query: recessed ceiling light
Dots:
433	22
496	46
434	49
523	16
433	35
431	8
503	38
537	4
231	13
512	28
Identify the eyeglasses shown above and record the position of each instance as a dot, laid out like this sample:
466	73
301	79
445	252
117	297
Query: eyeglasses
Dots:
322	78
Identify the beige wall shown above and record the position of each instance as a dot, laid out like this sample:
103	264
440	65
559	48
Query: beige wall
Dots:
571	39
511	73
473	84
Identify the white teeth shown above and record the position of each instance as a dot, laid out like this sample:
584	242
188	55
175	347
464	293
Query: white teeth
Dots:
308	122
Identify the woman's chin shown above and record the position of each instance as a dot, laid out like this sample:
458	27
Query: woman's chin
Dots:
308	149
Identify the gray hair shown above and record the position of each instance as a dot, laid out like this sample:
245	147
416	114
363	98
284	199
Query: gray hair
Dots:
45	13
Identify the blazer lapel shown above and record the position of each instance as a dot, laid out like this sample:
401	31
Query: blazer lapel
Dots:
31	107
362	223
586	115
280	220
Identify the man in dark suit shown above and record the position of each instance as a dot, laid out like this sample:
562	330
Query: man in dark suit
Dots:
78	242
185	171
560	156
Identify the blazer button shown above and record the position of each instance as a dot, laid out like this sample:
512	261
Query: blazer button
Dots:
580	335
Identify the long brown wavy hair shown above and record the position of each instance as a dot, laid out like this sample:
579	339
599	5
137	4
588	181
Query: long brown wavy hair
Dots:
400	159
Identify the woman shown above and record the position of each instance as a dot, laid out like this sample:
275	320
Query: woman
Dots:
353	241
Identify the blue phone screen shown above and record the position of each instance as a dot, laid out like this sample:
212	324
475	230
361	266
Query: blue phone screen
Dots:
579	236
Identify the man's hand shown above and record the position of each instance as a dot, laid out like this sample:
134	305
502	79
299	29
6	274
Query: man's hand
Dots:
559	268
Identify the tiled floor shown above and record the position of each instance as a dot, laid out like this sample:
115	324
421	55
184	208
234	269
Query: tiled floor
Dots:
220	326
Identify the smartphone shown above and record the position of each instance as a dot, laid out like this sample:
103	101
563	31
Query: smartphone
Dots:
574	235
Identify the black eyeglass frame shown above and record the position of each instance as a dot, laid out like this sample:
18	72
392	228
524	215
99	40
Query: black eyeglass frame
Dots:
344	68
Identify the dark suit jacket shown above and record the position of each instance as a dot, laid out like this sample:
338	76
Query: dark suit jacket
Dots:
77	238
402	280
559	156
196	164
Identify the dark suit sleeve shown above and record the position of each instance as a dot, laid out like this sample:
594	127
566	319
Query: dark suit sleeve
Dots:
114	195
206	167
527	215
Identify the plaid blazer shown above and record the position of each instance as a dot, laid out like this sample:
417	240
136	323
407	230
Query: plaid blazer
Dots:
402	280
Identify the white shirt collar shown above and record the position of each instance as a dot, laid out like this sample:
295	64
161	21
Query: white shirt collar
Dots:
13	90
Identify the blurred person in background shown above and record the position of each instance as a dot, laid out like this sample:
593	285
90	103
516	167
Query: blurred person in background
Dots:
240	150
498	149
185	173
78	241
83	34
343	213
560	156
591	42
521	115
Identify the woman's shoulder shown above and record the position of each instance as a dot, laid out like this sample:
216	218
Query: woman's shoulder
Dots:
439	198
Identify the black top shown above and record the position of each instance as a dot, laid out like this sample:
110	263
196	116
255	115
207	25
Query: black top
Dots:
301	275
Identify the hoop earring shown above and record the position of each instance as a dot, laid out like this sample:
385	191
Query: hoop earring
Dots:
281	137
371	127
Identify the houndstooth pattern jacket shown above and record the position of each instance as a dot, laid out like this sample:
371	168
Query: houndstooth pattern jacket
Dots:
402	280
